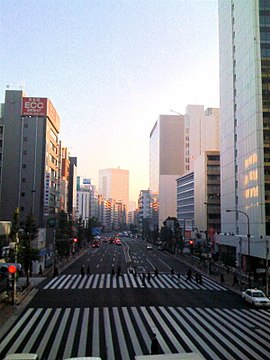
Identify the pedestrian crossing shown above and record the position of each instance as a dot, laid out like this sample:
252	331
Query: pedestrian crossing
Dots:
115	333
107	281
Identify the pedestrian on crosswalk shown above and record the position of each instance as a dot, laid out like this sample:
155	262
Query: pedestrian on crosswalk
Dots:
200	278
112	272
148	276
155	349
143	279
88	269
118	271
178	276
189	275
82	270
172	272
197	277
156	272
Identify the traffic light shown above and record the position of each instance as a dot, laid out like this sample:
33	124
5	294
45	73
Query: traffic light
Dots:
191	242
12	269
75	240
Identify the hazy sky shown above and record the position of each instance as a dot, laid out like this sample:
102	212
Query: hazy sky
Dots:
110	67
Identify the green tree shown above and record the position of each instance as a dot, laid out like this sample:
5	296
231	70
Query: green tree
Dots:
63	234
13	235
26	253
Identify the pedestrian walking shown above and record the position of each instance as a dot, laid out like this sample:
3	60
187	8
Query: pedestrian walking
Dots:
235	280
200	279
143	279
55	271
112	271
88	269
222	280
82	270
189	275
178	276
172	272
156	272
154	345
118	271
40	270
148	276
197	277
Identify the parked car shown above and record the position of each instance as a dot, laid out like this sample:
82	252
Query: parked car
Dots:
149	247
256	298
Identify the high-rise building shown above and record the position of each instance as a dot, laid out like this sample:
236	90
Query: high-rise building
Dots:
166	164
201	132
202	136
72	187
29	181
245	126
114	184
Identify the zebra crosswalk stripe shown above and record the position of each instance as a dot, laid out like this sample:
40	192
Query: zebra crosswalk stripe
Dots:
108	335
217	333
106	281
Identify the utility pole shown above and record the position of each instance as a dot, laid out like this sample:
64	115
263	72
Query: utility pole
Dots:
266	268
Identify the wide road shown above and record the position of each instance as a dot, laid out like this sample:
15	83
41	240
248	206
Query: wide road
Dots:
113	317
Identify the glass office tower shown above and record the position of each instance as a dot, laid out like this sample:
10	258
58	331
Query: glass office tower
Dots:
244	30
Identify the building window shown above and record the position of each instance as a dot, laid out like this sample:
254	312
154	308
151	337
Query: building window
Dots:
25	138
26	125
22	208
24	166
23	180
23	194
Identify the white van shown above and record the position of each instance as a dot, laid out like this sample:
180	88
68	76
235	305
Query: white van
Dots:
182	356
22	356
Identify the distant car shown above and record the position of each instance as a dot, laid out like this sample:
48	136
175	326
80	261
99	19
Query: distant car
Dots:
149	247
96	244
256	298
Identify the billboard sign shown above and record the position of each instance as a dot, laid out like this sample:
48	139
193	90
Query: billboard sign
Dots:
34	106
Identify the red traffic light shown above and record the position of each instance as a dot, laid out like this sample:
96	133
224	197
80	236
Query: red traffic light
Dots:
12	269
190	242
75	240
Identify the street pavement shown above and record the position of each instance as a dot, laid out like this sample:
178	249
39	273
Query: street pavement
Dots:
97	314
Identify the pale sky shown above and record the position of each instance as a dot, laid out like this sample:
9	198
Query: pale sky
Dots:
110	67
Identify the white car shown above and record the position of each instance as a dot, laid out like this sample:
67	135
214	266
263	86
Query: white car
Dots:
149	247
256	298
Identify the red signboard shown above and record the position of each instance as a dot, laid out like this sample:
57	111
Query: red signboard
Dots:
34	106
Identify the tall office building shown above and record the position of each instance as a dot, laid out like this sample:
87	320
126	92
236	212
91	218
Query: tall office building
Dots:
166	164
114	184
201	132
245	125
30	157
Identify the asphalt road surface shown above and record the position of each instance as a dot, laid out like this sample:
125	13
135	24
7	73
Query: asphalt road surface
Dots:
114	316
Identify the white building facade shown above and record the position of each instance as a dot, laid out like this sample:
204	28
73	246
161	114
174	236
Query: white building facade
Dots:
245	124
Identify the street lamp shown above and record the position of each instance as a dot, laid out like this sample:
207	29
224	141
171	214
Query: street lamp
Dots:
207	239
248	236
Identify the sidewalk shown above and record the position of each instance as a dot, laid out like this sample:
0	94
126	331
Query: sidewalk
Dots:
9	312
215	274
